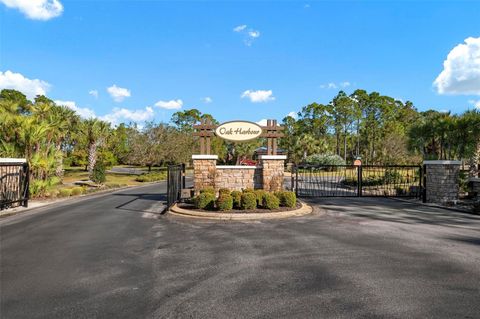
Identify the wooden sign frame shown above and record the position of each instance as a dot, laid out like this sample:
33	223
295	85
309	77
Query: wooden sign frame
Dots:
206	130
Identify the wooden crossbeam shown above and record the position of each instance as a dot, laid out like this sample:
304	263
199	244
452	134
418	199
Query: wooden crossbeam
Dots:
205	131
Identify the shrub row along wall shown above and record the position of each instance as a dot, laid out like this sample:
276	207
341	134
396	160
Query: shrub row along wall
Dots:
267	175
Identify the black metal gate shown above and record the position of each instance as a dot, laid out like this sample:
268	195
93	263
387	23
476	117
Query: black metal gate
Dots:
175	183
356	181
14	184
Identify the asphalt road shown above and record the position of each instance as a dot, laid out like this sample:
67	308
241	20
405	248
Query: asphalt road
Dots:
114	257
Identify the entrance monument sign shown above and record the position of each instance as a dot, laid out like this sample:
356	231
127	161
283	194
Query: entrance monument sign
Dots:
238	131
268	174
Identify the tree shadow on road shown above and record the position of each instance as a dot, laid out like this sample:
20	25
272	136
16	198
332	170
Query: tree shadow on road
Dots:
389	210
143	202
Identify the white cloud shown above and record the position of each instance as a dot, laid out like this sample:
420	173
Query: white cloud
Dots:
93	93
333	85
476	104
118	94
461	70
16	81
207	100
258	96
170	105
330	85
293	114
253	34
240	28
36	9
119	115
84	112
262	122
249	34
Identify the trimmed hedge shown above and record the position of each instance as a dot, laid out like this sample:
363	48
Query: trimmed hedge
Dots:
77	191
225	202
287	198
237	199
209	190
248	190
151	177
270	201
248	201
64	192
223	191
98	173
260	195
205	201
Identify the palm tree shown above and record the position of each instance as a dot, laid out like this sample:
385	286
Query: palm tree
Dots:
63	123
95	132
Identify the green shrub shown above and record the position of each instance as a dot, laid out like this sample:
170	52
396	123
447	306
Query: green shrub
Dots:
205	201
391	176
223	191
98	173
64	192
270	201
151	177
237	199
287	198
325	159
260	195
208	189
38	188
77	191
248	201
112	185
51	193
225	202
248	190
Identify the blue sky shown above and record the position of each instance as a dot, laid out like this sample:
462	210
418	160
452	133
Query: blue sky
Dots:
238	60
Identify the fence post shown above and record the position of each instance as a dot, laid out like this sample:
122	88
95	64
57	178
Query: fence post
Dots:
424	184
183	176
26	169
296	180
359	180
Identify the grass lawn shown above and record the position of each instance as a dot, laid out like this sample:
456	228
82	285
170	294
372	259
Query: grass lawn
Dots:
73	174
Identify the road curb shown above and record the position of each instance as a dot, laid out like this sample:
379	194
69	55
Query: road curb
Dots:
177	211
453	209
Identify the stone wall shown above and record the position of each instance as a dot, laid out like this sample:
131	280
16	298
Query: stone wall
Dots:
238	177
272	172
267	175
442	181
475	185
204	169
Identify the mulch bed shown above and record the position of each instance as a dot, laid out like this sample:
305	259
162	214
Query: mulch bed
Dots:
240	211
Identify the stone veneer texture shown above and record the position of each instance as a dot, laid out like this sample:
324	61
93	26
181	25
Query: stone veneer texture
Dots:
442	183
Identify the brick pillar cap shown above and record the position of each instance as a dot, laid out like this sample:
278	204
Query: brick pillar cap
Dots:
442	162
273	157
205	157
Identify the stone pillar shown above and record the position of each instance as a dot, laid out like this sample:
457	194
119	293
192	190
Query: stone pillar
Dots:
204	171
442	181
272	172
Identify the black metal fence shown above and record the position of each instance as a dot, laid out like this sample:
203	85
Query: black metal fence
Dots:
356	181
175	183
14	184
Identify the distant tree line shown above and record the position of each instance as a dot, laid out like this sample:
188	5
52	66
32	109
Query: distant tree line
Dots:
381	130
376	128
